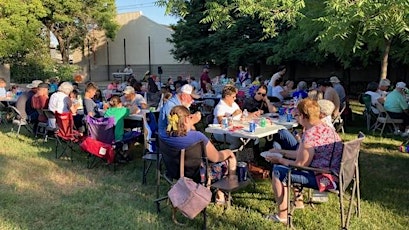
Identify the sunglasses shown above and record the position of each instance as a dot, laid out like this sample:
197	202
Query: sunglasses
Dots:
262	94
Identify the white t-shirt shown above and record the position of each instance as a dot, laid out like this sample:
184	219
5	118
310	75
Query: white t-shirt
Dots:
277	92
274	78
222	109
59	102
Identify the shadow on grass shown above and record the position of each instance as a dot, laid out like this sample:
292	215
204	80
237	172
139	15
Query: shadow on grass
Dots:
383	180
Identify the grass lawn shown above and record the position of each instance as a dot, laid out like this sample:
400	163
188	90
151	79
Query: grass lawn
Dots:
38	191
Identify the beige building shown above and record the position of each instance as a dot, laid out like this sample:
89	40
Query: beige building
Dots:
140	43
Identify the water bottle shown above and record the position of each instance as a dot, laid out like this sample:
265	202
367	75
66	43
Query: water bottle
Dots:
245	114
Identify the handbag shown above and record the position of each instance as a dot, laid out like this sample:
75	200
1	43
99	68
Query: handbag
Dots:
189	197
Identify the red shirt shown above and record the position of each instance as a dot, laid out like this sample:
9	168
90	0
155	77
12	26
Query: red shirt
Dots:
40	102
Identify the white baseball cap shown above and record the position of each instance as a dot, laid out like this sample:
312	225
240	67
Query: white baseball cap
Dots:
401	85
188	89
128	90
34	84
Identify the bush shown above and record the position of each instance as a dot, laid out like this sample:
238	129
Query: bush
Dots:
41	69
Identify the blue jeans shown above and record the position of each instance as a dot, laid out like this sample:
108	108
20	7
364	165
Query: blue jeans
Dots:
305	178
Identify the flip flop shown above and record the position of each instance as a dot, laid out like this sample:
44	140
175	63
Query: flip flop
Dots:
275	218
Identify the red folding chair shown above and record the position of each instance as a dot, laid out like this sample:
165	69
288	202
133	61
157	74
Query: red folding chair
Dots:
66	136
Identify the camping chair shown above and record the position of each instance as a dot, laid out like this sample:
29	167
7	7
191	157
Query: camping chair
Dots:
369	115
338	121
194	167
100	142
217	144
18	120
151	153
348	173
66	135
383	119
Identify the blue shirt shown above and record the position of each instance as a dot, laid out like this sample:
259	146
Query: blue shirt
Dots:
301	94
164	112
182	142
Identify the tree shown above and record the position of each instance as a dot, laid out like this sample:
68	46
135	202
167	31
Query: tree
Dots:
20	31
359	28
270	13
71	21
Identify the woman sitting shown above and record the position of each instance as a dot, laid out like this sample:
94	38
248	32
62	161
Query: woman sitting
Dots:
321	147
228	108
181	134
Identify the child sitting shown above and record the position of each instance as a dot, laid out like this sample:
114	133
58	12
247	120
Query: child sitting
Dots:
119	113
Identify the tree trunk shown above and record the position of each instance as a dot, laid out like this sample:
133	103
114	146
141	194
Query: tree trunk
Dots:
62	44
385	56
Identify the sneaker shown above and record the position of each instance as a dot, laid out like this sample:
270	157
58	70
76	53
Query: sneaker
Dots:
405	134
397	132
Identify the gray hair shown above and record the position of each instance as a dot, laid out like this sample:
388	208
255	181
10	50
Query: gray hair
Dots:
385	82
302	85
326	107
66	87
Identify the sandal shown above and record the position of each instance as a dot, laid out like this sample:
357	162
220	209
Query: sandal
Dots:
275	218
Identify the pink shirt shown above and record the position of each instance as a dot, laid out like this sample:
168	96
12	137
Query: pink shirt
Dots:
322	138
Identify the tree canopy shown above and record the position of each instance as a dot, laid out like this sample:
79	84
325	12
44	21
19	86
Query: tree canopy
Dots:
354	32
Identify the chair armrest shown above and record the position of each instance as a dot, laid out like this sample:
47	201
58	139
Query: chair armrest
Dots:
318	170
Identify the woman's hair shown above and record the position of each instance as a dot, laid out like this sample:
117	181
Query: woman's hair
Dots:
263	87
176	124
315	95
228	90
309	109
326	107
114	101
66	87
90	86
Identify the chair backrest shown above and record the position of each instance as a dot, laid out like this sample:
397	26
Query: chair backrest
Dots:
382	111
367	100
101	129
209	119
349	161
65	124
195	155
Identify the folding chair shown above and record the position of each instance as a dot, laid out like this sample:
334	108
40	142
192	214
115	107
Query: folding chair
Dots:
383	119
44	128
66	135
369	115
338	121
18	120
194	166
348	173
151	153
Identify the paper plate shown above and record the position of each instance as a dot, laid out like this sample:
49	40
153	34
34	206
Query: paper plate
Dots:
271	154
214	125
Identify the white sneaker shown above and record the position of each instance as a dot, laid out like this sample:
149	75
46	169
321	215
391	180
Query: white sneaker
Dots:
405	134
397	132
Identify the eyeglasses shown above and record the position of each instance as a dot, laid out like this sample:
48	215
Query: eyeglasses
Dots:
262	94
296	115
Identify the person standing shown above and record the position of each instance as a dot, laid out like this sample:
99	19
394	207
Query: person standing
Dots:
204	79
338	88
280	74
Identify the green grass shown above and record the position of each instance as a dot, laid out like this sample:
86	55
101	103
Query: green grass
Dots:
38	191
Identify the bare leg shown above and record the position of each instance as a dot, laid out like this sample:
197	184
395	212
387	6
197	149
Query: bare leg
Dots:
280	192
